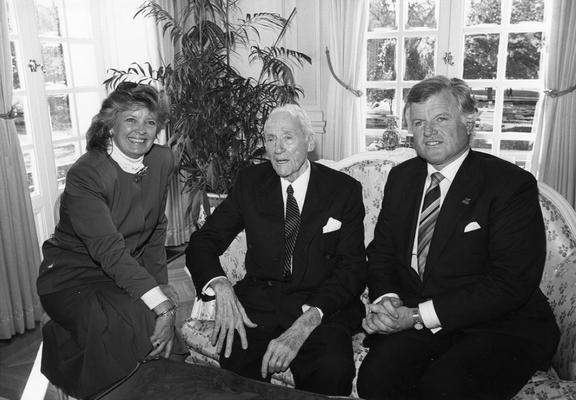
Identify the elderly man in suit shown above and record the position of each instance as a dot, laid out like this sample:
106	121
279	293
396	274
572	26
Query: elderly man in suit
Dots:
455	264
299	303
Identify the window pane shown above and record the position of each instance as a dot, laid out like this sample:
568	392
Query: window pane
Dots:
523	61
83	64
419	58
421	14
519	107
11	27
49	18
78	18
379	105
485	98
382	15
527	10
481	56
483	12
30	166
484	145
381	63
15	75
518	152
65	155
20	121
53	60
87	105
60	121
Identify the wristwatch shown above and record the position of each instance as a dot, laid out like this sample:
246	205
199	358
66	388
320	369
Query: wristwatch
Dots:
418	323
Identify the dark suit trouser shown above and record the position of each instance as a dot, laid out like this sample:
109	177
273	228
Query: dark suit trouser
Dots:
420	365
324	364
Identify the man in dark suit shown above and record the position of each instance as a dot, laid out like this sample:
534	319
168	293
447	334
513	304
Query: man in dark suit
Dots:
455	264
299	302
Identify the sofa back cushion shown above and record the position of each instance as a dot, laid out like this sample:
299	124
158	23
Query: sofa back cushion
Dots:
559	277
373	175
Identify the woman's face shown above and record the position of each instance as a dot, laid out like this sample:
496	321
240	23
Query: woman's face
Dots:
134	131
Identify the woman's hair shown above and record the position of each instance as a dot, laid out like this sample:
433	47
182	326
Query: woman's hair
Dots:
126	96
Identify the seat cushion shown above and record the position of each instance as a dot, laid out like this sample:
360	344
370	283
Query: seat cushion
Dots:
547	385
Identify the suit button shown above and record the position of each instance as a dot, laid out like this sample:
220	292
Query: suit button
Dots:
327	256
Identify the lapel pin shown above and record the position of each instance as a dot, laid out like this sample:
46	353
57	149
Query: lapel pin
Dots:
466	201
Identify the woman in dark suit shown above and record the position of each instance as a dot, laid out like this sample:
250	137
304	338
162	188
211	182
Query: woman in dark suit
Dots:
103	280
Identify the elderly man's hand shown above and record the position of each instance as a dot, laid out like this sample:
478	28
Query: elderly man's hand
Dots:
230	317
282	350
387	316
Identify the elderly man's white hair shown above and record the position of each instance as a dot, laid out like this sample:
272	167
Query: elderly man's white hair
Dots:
297	112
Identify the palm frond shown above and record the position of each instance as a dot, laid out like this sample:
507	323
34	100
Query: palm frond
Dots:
163	18
285	27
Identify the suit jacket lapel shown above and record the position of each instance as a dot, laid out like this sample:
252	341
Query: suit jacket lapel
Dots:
460	198
269	196
318	199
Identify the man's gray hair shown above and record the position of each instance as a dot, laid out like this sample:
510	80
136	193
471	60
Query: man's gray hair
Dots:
421	91
297	112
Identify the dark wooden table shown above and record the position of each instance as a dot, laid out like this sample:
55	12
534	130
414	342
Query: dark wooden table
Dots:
172	380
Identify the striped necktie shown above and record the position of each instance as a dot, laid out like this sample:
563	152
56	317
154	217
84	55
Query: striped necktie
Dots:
430	211
291	227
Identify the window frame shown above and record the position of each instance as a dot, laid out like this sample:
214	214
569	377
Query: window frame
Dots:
451	34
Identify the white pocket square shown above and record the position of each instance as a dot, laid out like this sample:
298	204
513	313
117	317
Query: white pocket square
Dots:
331	226
472	226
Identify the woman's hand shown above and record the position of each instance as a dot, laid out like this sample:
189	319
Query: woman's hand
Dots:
163	335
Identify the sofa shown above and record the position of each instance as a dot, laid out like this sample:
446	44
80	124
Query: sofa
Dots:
558	281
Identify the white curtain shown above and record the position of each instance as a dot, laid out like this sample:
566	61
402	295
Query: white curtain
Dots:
180	225
344	126
19	250
554	159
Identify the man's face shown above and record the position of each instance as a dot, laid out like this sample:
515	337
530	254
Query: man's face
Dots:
287	146
439	129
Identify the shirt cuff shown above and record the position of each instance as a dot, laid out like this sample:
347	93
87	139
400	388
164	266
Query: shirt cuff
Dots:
306	307
207	290
385	295
429	316
153	297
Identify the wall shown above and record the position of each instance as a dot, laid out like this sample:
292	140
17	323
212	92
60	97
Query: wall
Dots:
308	34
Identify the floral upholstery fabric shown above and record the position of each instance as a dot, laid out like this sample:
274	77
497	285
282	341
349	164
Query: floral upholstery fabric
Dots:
558	283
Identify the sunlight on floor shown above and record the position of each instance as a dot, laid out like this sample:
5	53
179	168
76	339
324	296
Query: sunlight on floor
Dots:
37	383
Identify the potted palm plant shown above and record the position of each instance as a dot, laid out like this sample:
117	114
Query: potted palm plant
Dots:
218	114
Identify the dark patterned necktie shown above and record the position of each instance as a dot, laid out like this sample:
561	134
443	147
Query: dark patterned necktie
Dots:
291	227
430	211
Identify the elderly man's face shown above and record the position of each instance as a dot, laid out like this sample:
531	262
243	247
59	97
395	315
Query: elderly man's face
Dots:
287	145
439	129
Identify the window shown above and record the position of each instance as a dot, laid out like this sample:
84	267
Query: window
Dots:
56	77
495	45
